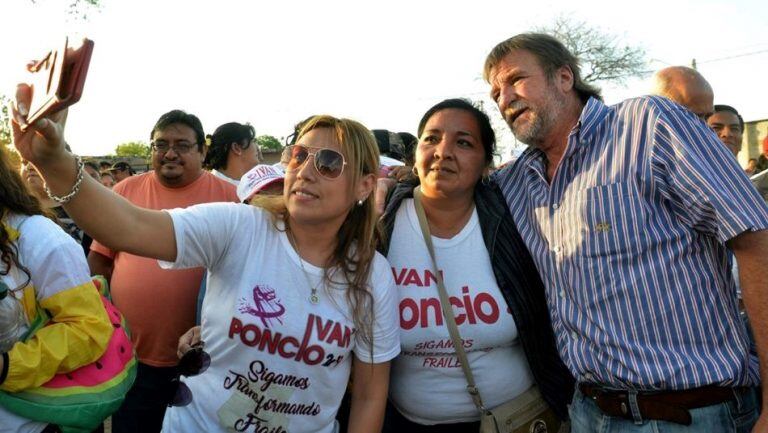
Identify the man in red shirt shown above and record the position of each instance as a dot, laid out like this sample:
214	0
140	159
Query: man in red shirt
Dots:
159	305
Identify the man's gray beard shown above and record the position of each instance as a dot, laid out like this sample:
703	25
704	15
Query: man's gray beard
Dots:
532	135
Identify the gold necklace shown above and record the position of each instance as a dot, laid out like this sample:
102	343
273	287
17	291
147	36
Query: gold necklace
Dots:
313	298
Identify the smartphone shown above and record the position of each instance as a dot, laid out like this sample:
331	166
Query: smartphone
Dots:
58	78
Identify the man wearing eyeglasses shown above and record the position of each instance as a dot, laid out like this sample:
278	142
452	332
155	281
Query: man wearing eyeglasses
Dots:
159	305
121	170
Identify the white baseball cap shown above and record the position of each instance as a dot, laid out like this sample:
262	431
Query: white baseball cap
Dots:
386	161
256	179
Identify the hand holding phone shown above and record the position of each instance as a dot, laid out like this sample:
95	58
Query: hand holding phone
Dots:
58	78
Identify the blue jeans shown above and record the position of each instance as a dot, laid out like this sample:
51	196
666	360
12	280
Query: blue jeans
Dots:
736	416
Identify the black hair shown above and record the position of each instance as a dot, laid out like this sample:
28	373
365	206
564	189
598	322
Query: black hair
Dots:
398	145
92	164
382	140
409	145
487	136
180	117
722	107
221	143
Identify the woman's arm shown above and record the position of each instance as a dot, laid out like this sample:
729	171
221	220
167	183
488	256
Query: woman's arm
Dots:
107	217
370	385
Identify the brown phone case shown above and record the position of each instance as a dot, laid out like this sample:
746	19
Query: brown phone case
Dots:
58	79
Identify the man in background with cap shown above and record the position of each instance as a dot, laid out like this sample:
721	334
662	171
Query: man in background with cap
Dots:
121	171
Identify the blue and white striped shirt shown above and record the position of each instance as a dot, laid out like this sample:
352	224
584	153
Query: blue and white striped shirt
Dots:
629	241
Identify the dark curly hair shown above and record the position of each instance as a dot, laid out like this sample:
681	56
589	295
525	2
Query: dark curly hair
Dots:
16	198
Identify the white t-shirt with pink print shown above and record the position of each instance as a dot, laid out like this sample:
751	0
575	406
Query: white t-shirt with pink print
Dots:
279	363
427	383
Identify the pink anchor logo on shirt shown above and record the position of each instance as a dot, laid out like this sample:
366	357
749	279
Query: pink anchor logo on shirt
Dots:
266	306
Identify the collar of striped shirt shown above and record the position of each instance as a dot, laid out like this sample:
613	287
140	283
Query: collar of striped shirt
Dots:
592	115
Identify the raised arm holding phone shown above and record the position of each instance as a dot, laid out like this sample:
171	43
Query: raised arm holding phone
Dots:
289	256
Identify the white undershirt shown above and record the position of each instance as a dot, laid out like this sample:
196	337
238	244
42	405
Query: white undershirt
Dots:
223	176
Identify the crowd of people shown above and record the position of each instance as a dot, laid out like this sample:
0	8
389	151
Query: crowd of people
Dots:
379	281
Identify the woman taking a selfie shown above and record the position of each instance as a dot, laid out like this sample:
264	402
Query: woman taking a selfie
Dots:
490	281
295	287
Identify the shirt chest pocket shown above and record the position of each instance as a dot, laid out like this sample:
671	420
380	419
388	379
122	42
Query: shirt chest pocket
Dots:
612	221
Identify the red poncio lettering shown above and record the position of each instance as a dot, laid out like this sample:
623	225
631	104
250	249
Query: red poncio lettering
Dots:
434	303
282	350
486	299
287	346
409	305
427	312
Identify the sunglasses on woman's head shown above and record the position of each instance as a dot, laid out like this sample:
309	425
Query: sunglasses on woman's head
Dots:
328	162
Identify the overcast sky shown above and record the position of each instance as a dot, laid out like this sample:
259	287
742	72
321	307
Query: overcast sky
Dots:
383	63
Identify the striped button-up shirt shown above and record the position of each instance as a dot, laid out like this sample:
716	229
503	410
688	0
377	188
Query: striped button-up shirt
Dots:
629	240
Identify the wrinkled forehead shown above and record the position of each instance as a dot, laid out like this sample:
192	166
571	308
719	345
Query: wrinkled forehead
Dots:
514	62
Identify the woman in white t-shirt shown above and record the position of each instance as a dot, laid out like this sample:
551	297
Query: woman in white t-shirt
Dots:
296	290
40	265
496	294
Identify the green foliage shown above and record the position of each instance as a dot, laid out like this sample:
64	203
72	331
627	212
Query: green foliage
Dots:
137	149
268	142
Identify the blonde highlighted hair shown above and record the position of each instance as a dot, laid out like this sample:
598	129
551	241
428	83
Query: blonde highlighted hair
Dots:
359	234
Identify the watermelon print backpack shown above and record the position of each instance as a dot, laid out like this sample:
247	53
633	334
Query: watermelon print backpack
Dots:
80	400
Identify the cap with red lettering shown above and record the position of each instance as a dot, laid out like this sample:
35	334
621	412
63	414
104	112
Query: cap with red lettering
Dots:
256	179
